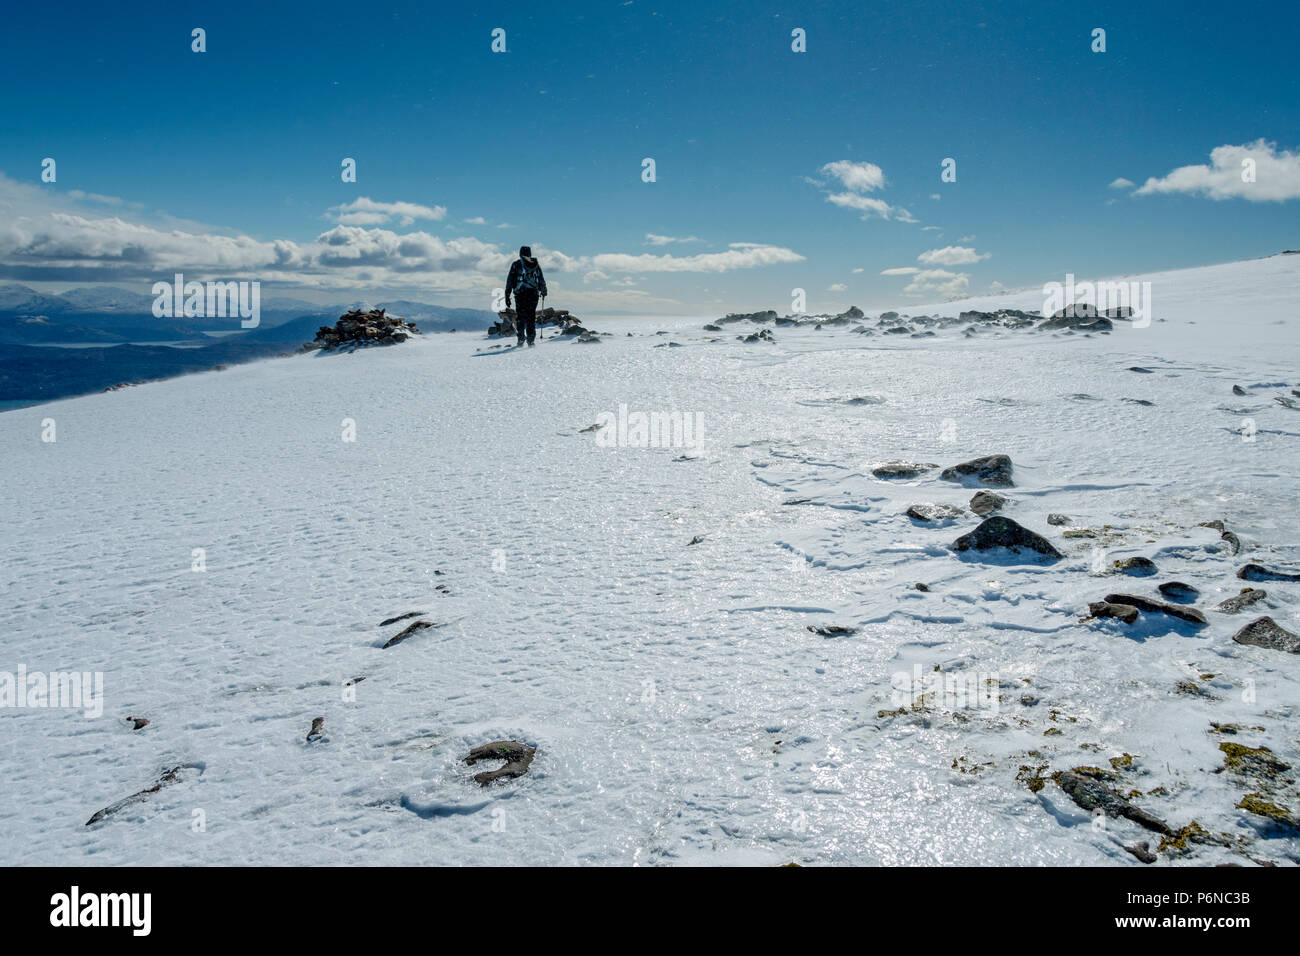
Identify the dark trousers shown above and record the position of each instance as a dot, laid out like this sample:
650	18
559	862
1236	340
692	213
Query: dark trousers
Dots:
526	314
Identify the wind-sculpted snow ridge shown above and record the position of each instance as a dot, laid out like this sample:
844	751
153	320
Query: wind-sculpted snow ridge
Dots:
744	650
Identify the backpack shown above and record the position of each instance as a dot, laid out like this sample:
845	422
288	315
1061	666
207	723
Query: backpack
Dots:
530	276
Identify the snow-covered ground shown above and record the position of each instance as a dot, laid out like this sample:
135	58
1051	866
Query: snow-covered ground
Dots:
681	708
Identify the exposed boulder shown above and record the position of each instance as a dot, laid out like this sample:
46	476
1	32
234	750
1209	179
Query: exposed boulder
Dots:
1178	591
1124	612
991	470
901	469
1240	602
935	514
986	502
1001	532
760	317
1257	572
832	630
406	632
517	758
1137	567
1091	795
317	731
1266	632
507	317
1151	605
166	779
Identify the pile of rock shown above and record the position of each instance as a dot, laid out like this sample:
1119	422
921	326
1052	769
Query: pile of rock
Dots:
356	329
559	317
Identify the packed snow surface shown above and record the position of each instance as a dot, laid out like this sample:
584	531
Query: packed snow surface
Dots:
682	709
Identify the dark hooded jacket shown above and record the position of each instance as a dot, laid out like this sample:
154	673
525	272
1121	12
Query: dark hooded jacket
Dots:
516	268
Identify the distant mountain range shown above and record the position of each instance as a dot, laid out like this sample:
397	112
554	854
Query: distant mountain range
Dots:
136	346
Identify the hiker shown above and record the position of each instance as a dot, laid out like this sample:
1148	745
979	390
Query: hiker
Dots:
526	282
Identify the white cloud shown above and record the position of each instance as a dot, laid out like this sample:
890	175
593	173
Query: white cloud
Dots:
855	179
901	271
951	256
935	196
739	255
966	239
477	221
94	197
1122	183
47	236
858	269
931	228
858	177
837	287
365	211
1277	175
653	240
937	282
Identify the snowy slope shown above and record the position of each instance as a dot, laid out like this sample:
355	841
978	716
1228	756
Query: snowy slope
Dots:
682	710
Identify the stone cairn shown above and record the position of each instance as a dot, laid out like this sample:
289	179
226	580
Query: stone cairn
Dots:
558	317
358	329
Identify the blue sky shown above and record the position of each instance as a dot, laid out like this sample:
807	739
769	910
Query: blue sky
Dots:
778	169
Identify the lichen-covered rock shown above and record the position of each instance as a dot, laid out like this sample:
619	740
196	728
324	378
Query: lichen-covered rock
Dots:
1138	567
1240	602
991	470
1123	612
934	514
986	502
1266	632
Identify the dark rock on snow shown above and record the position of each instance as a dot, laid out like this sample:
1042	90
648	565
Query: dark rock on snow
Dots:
1001	532
902	469
1151	605
1091	795
932	513
411	629
1123	612
1266	632
1257	572
517	758
1178	591
1240	602
1138	567
991	470
986	502
166	779
832	630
